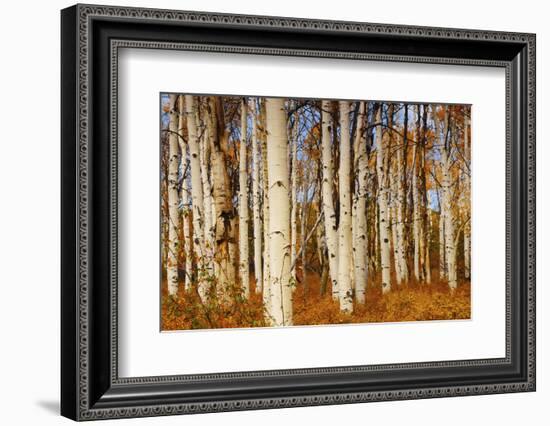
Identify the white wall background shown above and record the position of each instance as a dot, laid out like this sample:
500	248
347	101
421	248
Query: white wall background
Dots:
29	211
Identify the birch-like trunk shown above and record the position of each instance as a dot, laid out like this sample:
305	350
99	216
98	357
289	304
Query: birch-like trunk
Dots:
328	202
204	154
446	183
442	261
393	218
303	243
197	198
243	203
360	240
173	200
344	228
425	234
394	169
225	241
279	223
184	196
266	295
256	201
401	204
382	141
294	201
416	201
467	227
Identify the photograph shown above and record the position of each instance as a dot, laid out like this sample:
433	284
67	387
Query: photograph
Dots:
288	211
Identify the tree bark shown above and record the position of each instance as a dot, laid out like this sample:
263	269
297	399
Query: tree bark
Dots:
266	273
224	226
401	199
344	227
256	201
173	201
467	227
243	203
204	158
328	201
279	223
197	198
416	200
294	201
382	140
426	263
184	196
446	183
360	240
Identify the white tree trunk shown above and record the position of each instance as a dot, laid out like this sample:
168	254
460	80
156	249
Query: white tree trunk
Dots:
256	202
383	188
360	209
416	202
243	203
344	228
446	183
328	203
196	191
294	202
279	223
266	295
467	228
173	200
204	148
225	221
442	261
400	213
393	217
184	196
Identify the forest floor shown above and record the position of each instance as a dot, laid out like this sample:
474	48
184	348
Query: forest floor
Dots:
408	302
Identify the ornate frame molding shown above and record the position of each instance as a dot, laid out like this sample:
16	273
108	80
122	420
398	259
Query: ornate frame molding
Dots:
78	25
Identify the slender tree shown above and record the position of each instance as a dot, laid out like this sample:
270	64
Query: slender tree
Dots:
328	201
360	207
446	188
256	200
279	223
243	202
225	240
382	142
173	200
344	227
197	198
184	195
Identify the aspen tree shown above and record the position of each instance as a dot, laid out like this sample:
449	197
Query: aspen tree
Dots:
467	227
243	203
196	192
184	196
225	240
416	201
204	157
425	236
173	200
266	295
279	223
294	186
256	201
360	207
401	202
446	184
331	229
344	227
382	141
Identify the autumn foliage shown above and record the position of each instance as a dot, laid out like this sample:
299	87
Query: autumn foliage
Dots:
409	302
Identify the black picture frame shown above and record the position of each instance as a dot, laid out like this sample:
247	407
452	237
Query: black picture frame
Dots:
90	386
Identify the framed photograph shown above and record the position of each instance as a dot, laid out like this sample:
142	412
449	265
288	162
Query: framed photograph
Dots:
263	212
